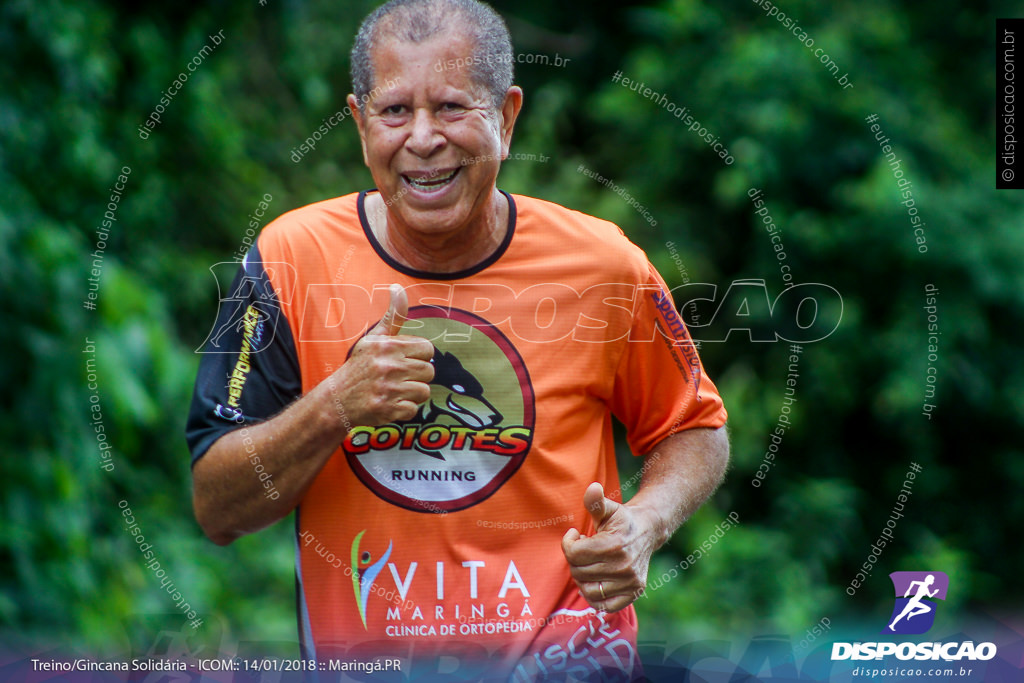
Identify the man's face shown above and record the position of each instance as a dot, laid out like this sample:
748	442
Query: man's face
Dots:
432	138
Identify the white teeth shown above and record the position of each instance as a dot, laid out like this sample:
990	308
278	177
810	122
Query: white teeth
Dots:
431	183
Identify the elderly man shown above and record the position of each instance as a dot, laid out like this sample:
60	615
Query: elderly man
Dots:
426	373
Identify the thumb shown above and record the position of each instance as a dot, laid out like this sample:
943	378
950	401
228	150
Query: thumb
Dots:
398	308
599	507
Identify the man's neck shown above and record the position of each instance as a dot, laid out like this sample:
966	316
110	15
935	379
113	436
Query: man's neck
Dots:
447	253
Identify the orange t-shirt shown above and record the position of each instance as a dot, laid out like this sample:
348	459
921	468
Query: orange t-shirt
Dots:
442	534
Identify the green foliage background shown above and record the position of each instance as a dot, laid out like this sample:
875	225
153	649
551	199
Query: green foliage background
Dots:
79	78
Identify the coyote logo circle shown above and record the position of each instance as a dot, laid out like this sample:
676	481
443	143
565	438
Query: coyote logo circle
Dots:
469	437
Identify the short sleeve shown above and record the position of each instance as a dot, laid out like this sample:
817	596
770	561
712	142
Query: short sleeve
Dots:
660	384
249	370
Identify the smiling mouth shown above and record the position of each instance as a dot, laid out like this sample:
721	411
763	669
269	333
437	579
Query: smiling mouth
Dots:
432	182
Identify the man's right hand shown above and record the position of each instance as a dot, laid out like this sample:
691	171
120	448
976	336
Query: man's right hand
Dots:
384	380
387	375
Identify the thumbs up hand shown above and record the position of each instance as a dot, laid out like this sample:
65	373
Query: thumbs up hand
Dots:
610	567
386	377
398	307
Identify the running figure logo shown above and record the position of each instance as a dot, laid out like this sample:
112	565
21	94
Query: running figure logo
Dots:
914	611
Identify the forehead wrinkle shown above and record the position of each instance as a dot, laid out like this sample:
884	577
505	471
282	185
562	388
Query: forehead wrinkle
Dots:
436	90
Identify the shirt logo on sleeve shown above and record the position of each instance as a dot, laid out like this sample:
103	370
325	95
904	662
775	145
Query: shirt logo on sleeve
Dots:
253	286
676	336
251	338
469	437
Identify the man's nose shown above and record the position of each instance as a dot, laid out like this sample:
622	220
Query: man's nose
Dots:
425	138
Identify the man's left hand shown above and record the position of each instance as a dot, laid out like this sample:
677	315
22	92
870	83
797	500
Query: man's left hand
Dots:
610	567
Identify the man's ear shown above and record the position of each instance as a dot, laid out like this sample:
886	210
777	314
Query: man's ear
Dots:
509	113
357	114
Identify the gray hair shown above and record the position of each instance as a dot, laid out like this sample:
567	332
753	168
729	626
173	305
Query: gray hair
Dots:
416	21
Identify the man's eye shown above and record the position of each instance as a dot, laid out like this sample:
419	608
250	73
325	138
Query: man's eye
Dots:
394	110
452	106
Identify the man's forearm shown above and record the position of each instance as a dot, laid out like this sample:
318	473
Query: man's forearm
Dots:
679	474
228	495
384	380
